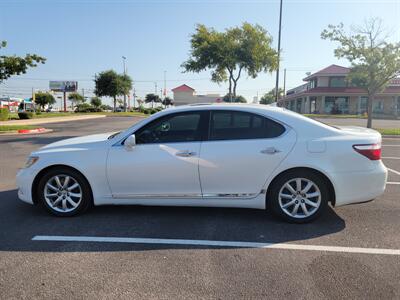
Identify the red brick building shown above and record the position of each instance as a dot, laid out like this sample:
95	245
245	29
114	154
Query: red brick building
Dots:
327	92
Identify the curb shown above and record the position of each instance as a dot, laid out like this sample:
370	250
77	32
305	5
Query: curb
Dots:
391	136
26	132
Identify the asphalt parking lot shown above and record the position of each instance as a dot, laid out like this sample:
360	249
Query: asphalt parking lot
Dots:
108	269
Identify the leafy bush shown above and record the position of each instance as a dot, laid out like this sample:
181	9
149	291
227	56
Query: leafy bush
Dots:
146	111
153	110
83	107
38	112
3	114
23	115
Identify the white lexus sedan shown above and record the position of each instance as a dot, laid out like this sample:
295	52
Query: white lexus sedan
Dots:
219	155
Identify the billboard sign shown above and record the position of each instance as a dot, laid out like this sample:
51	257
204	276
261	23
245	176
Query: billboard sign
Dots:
64	86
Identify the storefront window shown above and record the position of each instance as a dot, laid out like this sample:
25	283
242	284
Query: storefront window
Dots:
362	108
298	105
337	105
377	106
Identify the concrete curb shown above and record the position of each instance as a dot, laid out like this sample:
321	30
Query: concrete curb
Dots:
391	136
50	120
26	132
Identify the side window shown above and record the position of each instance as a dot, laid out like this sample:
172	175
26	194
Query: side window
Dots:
182	127
232	125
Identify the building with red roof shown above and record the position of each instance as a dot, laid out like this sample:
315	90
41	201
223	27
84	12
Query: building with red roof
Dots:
185	94
328	92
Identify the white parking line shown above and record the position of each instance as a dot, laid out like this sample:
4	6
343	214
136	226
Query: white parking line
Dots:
394	171
383	145
390	157
285	246
391	182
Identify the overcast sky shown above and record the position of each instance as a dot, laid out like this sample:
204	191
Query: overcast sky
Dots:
80	38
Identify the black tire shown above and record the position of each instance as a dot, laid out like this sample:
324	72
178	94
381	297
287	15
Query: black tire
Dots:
86	198
273	201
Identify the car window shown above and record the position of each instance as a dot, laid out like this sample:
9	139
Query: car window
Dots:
233	125
183	127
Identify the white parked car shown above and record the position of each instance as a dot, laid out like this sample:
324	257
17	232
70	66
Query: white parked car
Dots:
220	155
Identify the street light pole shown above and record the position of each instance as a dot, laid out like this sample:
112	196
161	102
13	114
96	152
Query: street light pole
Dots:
279	52
123	62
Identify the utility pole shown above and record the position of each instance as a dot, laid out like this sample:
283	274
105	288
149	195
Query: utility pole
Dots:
123	62
165	88
134	98
284	82
279	52
155	93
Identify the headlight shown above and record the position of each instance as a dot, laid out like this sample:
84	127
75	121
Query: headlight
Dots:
31	160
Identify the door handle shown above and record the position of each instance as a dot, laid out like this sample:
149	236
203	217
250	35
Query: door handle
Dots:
270	150
185	153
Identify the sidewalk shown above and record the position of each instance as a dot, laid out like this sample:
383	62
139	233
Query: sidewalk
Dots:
50	120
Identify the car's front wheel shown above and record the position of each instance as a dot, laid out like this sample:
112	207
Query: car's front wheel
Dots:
298	196
64	192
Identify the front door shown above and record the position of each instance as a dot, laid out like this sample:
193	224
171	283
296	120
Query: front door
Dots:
164	162
242	151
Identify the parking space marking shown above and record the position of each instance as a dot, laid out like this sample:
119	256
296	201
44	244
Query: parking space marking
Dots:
282	246
395	183
383	145
394	171
390	157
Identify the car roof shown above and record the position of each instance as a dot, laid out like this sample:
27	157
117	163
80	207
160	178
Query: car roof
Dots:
302	124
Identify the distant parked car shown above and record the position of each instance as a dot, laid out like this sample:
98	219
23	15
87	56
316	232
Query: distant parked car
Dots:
250	156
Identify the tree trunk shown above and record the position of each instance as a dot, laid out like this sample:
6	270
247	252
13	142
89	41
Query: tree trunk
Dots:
230	89
234	88
115	103
369	109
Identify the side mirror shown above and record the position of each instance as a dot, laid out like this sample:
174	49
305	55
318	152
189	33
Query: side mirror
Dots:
130	142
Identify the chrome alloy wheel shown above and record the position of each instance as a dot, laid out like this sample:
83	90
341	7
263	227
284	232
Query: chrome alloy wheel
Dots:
299	198
62	193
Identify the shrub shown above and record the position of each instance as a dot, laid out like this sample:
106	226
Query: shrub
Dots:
83	107
3	114
25	115
38	112
153	110
146	111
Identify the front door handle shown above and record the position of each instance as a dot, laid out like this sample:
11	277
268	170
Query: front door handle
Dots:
270	150
185	153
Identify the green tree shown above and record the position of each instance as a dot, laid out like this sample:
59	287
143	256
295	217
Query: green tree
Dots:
96	101
269	97
167	101
111	84
76	98
374	61
151	98
227	54
237	99
15	65
43	99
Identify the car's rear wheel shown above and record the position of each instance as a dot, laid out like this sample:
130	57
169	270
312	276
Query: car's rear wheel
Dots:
64	192
298	196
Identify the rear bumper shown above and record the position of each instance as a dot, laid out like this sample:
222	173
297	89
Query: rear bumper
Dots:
358	187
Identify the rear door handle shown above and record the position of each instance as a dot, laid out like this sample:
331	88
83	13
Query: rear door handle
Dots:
270	150
185	153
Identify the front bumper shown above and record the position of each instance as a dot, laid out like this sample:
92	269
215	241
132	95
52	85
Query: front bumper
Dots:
25	179
358	187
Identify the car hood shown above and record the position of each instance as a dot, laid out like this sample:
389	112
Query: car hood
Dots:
79	142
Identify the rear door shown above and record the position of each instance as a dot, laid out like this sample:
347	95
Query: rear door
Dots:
242	150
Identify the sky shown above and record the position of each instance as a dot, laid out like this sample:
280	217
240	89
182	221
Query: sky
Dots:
82	38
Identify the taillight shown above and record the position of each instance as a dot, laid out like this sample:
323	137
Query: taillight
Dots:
372	151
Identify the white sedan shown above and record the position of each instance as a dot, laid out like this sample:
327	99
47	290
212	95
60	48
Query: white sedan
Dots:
249	156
